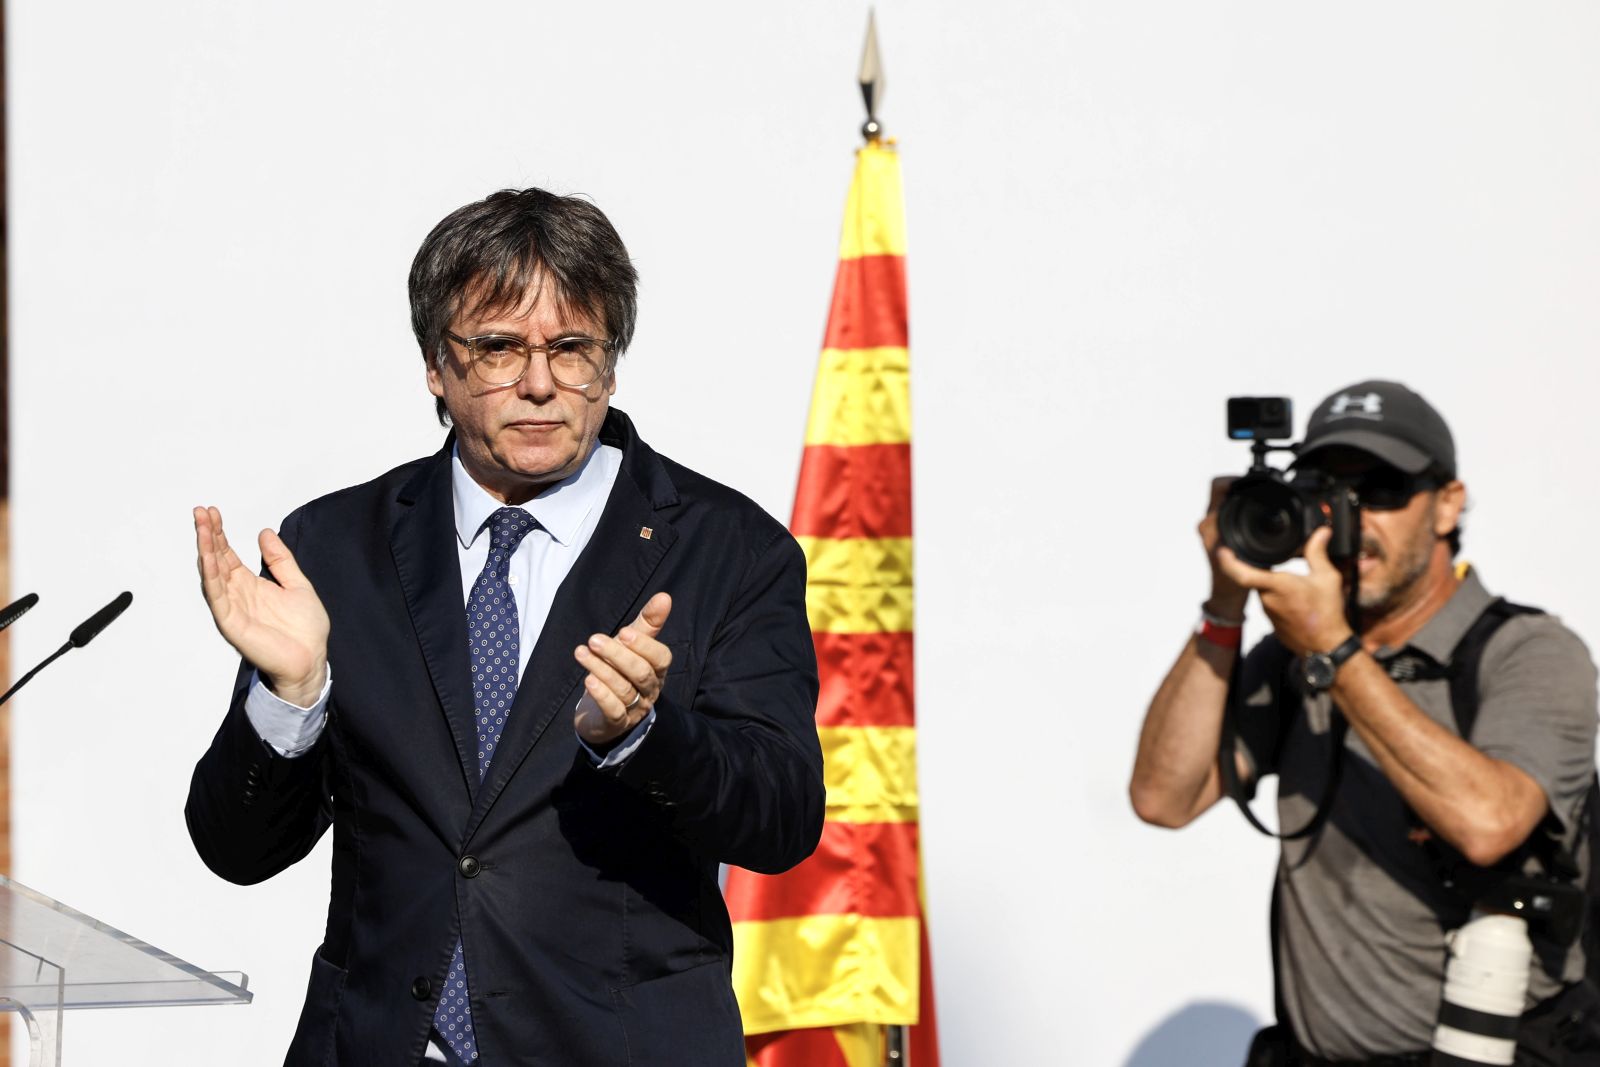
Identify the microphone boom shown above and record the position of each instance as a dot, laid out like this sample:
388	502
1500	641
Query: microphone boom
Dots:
86	632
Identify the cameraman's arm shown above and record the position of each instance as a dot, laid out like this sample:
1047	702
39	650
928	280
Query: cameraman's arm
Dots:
1483	806
1175	775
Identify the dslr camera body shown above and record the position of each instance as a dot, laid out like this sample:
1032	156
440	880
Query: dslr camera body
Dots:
1267	514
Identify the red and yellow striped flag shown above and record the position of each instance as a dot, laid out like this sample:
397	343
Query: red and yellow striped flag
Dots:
829	954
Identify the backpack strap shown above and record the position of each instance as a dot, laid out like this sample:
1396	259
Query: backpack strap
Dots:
1465	671
1464	674
1466	657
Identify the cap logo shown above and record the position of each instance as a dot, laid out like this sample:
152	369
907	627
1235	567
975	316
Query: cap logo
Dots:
1357	405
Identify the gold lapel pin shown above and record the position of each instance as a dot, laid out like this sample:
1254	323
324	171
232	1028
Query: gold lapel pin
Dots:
645	532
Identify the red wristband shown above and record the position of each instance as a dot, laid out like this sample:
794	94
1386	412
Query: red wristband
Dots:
1221	636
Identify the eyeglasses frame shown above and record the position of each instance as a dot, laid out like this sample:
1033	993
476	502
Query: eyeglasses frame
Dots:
471	345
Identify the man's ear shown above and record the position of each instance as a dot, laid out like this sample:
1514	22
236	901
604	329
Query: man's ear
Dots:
435	379
1452	502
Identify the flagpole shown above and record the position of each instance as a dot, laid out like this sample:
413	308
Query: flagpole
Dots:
895	1044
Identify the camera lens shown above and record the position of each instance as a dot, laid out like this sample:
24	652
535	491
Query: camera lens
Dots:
1263	521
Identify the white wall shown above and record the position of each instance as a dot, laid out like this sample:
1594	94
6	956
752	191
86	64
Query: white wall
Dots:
1119	214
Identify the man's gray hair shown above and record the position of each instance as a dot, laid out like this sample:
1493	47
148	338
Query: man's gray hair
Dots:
507	247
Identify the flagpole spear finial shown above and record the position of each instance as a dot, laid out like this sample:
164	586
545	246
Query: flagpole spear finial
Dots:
872	81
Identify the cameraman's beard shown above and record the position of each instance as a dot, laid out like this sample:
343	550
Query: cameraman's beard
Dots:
1402	578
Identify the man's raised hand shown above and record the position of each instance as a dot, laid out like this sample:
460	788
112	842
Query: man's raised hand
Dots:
278	625
625	675
1307	610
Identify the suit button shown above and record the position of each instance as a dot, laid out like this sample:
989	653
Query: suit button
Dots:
421	989
469	866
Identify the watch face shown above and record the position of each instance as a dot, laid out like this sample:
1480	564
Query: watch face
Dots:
1319	671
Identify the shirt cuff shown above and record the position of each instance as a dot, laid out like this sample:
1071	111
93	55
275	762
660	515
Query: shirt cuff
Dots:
290	729
625	746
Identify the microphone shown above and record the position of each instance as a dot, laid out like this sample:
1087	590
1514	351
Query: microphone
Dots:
85	632
17	609
90	628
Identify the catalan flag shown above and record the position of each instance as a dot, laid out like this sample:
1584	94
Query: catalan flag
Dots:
830	954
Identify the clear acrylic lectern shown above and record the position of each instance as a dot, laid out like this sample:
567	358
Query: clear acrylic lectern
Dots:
53	958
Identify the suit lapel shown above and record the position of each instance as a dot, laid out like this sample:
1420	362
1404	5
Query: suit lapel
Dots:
596	596
423	542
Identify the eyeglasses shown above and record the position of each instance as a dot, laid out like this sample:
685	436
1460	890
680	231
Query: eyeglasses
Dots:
575	362
1380	488
1389	488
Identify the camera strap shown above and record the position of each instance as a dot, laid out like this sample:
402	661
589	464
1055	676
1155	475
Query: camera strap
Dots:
1338	727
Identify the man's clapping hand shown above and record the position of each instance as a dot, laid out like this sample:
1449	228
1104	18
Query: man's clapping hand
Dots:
625	675
278	625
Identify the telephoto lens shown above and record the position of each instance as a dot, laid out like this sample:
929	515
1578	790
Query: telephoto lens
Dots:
1485	984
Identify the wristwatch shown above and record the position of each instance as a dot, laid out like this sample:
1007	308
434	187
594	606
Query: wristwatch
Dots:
1319	668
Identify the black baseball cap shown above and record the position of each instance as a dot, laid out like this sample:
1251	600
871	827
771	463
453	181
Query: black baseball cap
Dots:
1388	420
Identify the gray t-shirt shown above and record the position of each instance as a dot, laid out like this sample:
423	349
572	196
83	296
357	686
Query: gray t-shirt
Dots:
1362	915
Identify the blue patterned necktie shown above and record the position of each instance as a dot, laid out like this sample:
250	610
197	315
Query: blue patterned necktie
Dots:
493	640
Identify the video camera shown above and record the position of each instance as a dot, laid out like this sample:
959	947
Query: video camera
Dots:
1267	514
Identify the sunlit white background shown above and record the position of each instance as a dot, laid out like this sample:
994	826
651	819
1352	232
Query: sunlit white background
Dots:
1119	214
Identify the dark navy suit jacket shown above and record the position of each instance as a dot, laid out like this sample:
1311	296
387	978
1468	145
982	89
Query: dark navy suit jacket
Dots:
588	899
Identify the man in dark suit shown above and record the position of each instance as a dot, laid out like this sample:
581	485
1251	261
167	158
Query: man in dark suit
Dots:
540	684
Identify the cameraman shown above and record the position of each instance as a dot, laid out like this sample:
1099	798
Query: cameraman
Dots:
1362	909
